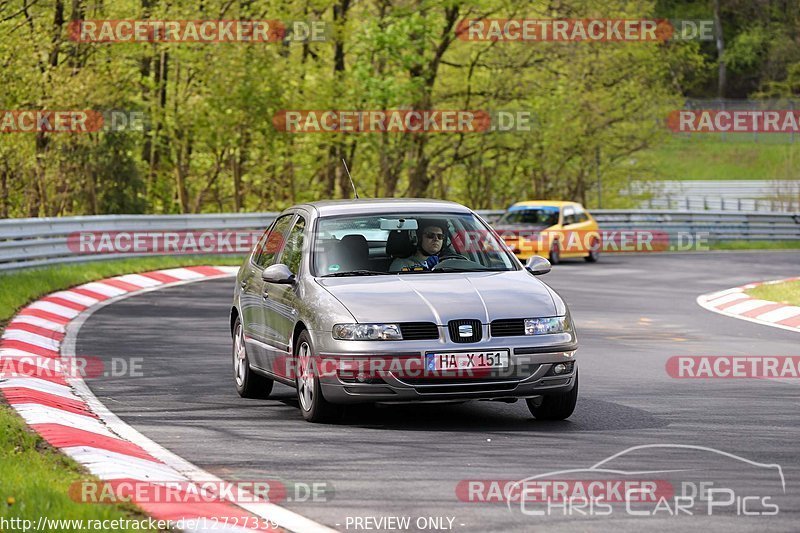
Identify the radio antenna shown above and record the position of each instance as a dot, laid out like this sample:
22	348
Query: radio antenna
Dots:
355	192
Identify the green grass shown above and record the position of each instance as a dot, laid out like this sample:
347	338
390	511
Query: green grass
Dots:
703	157
755	245
20	288
35	478
787	292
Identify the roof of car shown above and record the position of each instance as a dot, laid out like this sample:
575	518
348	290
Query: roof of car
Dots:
383	205
550	203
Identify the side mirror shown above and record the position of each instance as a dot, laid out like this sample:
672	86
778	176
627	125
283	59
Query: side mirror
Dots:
537	265
279	274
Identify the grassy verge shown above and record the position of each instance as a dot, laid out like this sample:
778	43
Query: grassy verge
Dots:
20	288
785	293
708	158
755	245
35	478
36	481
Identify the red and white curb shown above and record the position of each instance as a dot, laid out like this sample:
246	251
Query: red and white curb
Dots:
737	304
64	411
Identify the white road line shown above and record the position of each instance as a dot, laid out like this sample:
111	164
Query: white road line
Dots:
49	363
283	517
75	297
35	413
747	305
39	385
108	465
102	288
183	274
727	298
41	322
212	527
138	279
56	309
16	352
782	313
719	294
31	338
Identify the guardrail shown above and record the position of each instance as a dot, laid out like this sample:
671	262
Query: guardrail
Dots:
31	242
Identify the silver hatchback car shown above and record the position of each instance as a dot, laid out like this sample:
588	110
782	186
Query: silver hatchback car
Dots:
395	301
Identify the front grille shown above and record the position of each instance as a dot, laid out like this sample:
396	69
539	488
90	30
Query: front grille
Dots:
508	327
419	331
455	335
467	388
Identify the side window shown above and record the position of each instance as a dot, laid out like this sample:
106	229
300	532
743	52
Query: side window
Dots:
293	251
580	215
569	216
272	242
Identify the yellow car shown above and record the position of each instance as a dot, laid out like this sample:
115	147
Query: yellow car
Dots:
554	230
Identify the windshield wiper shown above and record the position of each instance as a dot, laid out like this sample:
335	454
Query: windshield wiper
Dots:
356	273
455	269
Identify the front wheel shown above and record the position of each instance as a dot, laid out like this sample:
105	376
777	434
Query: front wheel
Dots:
248	383
594	252
555	406
313	405
555	253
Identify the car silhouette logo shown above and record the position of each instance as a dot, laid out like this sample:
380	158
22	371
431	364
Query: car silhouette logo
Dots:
465	331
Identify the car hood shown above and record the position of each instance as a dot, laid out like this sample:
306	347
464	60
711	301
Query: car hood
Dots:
441	297
516	228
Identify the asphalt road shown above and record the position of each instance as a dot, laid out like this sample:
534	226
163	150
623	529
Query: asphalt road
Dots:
632	314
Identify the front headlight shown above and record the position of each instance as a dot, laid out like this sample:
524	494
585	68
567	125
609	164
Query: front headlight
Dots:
367	332
546	326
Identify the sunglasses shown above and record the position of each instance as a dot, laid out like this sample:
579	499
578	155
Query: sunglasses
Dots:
431	235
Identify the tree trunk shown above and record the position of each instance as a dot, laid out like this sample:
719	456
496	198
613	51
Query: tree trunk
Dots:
4	171
722	76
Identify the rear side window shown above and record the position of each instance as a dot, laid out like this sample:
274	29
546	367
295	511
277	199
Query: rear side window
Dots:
569	216
293	252
272	242
580	215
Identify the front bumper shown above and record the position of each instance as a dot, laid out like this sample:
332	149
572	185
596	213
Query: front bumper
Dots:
530	371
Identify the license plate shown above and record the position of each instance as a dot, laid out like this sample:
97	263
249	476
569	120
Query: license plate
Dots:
466	360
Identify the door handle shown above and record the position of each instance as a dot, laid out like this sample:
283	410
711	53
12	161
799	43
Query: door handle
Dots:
265	294
243	283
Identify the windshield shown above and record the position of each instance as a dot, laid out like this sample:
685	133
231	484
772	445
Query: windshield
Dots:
537	216
406	243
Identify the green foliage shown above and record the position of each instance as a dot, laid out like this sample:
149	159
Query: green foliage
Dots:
35	481
209	143
22	287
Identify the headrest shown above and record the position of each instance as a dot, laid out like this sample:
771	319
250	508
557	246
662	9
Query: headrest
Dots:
398	244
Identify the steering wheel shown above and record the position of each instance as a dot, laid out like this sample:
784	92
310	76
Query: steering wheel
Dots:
454	256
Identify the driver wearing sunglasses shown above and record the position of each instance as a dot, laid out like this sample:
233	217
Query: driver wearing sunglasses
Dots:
430	240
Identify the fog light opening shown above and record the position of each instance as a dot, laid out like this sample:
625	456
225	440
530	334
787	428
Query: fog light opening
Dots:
560	368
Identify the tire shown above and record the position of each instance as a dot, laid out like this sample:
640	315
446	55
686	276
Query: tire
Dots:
248	383
594	252
556	406
313	405
555	253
